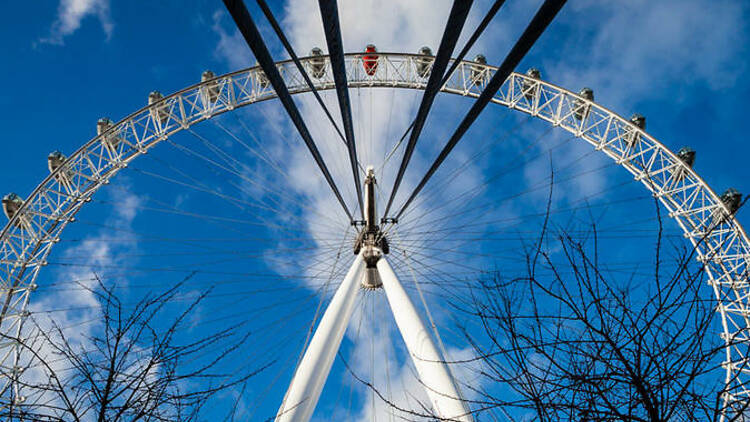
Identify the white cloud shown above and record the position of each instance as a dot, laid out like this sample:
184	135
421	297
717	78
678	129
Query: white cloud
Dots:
626	51
637	56
380	116
70	13
73	305
231	47
390	25
636	50
378	356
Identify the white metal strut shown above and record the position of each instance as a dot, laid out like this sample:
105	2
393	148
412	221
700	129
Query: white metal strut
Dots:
312	372
432	370
304	390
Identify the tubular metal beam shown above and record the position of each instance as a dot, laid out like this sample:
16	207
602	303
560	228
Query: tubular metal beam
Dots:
431	368
330	14
456	20
312	372
534	30
252	36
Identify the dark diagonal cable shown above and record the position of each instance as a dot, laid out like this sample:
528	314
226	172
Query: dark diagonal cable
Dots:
330	14
249	31
470	43
282	37
456	21
533	31
473	39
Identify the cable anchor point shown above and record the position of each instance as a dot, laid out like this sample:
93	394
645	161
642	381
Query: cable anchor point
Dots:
371	240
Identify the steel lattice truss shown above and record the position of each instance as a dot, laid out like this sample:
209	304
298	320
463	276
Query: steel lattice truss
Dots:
721	243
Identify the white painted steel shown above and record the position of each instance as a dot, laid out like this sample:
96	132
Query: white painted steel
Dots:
312	372
431	368
721	244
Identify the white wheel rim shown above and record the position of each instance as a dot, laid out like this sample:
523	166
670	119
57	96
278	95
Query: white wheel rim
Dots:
28	237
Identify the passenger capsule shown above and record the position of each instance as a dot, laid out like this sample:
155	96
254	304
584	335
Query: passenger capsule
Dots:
582	107
261	77
528	86
424	63
110	140
370	60
478	70
687	155
55	160
209	90
102	125
731	198
632	138
638	120
159	112
12	203
317	63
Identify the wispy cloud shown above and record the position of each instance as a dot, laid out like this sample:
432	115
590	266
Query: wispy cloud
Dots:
634	55
625	51
636	50
231	47
379	357
381	116
71	304
70	13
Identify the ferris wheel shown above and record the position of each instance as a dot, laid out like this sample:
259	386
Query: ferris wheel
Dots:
388	234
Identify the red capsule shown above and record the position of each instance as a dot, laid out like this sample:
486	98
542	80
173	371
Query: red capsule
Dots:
370	61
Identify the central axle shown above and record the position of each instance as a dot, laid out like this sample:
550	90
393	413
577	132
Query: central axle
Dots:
371	240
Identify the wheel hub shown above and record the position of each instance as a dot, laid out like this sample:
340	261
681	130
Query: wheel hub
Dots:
371	240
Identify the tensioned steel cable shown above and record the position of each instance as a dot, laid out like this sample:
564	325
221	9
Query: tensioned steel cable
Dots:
330	13
474	37
252	36
282	37
534	30
470	43
456	21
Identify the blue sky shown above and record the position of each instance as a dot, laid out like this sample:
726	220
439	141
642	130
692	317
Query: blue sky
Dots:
683	64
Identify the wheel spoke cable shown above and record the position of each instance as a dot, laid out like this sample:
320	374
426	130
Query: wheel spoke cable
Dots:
282	37
457	61
252	36
330	14
456	21
534	30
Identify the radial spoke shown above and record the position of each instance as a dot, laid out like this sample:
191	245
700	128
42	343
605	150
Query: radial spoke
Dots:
539	23
330	14
456	20
253	38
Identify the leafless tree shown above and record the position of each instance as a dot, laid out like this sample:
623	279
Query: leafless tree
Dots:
567	340
136	368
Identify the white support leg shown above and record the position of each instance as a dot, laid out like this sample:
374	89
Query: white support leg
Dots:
312	372
446	403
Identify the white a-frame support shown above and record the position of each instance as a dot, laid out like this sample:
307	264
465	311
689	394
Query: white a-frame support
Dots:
312	372
432	370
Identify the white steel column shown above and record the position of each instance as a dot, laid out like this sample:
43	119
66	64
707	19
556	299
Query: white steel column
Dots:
312	372
446	403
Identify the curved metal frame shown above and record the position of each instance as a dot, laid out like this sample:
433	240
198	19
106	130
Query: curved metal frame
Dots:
721	243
